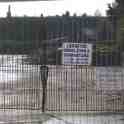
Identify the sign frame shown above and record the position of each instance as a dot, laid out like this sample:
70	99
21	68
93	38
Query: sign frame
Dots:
80	53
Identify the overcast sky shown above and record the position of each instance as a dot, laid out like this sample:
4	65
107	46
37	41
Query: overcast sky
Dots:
55	7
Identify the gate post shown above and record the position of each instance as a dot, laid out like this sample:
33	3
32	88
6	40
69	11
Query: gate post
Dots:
44	76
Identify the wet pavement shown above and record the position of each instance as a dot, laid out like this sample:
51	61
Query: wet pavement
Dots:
87	119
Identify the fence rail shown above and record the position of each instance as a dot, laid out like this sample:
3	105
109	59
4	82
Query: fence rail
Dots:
79	89
69	88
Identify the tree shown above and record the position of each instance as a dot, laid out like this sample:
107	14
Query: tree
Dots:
97	13
120	33
116	15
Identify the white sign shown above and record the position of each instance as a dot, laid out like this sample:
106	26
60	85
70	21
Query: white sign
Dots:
77	54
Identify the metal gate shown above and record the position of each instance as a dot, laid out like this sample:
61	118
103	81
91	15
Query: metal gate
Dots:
36	88
71	91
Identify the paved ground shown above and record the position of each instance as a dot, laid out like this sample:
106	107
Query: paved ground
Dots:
87	119
22	117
